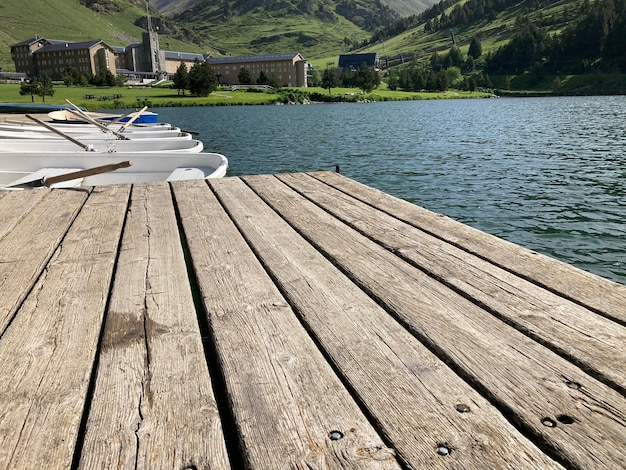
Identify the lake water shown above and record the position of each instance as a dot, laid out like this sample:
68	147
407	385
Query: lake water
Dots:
546	173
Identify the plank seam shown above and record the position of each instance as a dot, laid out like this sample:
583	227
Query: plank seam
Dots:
218	381
405	465
45	265
588	369
82	428
507	411
474	253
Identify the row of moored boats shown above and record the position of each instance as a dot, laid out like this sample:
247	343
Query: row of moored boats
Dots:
73	148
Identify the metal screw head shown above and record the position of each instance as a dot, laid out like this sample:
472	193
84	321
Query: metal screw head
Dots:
335	435
462	408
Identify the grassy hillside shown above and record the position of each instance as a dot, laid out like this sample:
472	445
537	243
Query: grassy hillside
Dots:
70	20
493	33
63	19
175	7
312	27
264	33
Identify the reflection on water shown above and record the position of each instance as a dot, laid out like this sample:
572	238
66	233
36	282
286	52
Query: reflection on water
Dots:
546	173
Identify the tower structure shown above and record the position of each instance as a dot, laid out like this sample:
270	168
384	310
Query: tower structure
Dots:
154	58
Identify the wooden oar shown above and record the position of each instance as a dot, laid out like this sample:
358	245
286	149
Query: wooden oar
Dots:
132	119
119	118
48	181
80	113
87	147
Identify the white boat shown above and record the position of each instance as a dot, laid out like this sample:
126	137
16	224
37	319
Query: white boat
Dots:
101	145
92	133
69	155
19	170
18	125
141	116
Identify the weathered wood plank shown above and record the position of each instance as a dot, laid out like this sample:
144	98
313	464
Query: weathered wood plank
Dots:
527	381
594	292
591	341
48	351
417	401
15	205
153	404
34	222
285	398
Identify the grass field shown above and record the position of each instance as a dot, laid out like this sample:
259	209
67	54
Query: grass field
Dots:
137	97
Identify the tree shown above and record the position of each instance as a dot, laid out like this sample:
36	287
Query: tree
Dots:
46	87
475	48
262	79
393	81
30	87
441	80
366	78
274	81
104	78
471	84
454	58
244	76
453	76
202	79
70	76
329	79
181	78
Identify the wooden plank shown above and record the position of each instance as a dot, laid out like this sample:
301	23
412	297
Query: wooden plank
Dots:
286	400
48	351
153	404
593	342
15	205
36	222
529	383
416	400
594	292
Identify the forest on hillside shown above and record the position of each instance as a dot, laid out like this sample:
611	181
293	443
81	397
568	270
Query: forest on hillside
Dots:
595	42
594	38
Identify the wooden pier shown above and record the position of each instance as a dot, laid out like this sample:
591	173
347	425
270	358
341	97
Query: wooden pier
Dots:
294	321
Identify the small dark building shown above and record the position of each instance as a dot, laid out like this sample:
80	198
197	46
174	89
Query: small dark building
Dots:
354	61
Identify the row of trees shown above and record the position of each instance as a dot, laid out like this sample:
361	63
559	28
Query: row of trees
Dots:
38	86
363	77
245	78
71	77
442	72
200	79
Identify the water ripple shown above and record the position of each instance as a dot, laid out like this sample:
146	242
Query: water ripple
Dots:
548	173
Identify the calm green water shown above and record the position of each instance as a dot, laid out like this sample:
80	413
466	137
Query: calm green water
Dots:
546	173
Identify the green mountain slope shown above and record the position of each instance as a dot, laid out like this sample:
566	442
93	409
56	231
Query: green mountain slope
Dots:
176	7
312	27
113	21
451	23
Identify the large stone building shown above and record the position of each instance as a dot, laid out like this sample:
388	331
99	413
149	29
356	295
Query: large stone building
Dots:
38	55
146	61
290	69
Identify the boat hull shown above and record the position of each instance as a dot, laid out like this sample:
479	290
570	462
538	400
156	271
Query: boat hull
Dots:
145	167
52	145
